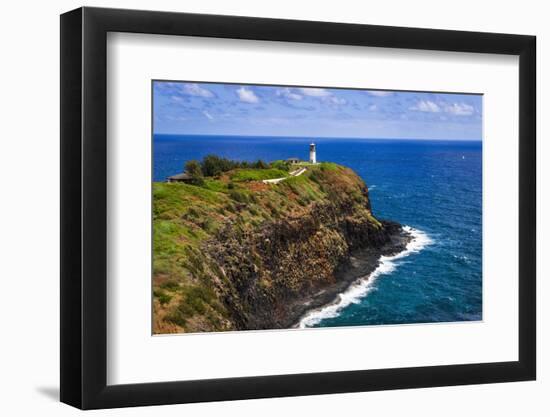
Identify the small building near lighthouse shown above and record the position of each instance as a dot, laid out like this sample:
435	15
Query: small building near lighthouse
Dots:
312	153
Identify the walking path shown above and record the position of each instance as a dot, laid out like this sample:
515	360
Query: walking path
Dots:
295	173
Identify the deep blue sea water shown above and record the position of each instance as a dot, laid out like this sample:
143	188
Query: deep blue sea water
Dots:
432	186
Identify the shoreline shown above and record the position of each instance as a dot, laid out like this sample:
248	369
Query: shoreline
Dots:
362	264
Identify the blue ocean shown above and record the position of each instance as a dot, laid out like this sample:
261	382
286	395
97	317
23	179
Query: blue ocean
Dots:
432	187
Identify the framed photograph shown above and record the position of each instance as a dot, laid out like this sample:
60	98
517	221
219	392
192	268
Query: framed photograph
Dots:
258	208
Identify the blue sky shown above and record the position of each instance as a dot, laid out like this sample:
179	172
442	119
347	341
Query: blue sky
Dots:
258	110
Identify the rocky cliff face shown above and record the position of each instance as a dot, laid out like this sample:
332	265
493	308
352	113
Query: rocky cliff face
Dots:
265	260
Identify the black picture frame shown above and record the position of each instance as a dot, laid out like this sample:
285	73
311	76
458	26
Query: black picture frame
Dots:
84	207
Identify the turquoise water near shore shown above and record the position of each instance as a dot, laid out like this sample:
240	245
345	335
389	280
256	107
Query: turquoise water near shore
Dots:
432	187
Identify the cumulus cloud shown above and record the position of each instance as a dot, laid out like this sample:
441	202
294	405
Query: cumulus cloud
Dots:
326	96
337	101
315	92
177	118
460	109
426	106
247	95
455	109
288	93
197	90
377	93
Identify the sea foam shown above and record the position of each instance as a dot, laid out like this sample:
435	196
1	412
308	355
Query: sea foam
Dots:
360	288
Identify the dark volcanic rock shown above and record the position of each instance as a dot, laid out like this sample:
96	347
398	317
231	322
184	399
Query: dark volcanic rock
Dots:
296	264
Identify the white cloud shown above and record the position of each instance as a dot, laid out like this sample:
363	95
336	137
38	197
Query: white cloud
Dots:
380	93
208	115
337	101
197	90
325	95
373	107
460	109
288	93
426	106
315	92
177	118
247	96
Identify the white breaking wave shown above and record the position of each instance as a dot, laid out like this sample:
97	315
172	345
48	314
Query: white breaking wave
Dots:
360	288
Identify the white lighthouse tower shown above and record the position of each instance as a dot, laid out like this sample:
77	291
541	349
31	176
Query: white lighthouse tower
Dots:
312	153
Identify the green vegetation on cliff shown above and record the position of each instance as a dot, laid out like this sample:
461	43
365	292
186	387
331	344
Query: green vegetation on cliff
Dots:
232	252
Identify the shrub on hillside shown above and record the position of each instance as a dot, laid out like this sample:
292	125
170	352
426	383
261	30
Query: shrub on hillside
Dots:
193	168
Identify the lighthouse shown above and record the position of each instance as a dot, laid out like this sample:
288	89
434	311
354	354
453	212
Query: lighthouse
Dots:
312	153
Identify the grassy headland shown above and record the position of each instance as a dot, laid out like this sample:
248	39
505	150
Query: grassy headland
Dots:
232	252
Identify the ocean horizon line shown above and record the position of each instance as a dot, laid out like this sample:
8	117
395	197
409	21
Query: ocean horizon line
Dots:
394	139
